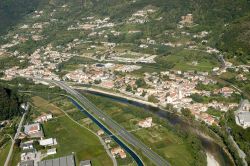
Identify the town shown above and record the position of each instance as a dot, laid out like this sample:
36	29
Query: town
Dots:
159	60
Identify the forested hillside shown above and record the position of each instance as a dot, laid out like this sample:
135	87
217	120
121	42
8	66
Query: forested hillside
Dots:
12	11
228	19
9	104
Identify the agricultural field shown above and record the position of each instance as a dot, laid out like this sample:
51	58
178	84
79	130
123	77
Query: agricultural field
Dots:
45	106
75	133
73	138
160	138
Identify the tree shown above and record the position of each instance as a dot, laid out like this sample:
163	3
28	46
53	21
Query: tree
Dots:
140	83
129	88
97	81
187	113
152	99
9	104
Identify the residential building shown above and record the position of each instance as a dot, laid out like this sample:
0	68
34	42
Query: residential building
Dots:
118	151
48	142
33	130
43	118
146	123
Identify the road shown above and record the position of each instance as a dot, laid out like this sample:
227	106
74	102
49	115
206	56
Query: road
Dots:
113	125
13	140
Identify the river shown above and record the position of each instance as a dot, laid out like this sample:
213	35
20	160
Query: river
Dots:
210	146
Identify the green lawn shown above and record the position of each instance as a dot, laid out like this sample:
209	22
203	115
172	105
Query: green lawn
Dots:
74	138
4	152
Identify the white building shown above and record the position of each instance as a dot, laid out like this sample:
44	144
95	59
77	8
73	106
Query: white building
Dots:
48	142
51	151
44	118
244	119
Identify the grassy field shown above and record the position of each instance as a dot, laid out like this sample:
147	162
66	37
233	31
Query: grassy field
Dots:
161	139
4	152
82	119
45	106
73	138
15	158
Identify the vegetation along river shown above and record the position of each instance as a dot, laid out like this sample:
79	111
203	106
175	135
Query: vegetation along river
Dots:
209	145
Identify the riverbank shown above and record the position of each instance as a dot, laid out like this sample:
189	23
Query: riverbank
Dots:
211	160
217	151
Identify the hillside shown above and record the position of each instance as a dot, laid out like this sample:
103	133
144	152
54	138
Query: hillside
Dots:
208	15
12	11
9	104
191	55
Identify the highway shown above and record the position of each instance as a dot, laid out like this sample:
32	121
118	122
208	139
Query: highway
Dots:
113	125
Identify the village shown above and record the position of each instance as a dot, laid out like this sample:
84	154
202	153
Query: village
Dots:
114	67
36	147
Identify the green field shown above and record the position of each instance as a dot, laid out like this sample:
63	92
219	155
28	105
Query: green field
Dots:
15	158
74	138
4	150
162	138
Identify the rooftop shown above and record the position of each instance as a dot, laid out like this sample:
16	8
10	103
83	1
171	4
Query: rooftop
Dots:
62	161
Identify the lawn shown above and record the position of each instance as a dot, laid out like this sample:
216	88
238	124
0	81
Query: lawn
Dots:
74	138
4	152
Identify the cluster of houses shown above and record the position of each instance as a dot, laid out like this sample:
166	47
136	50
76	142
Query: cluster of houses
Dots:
170	87
32	136
141	16
90	23
176	87
115	151
118	151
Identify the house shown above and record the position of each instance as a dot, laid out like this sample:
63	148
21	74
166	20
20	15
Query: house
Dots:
33	130
146	123
48	142
226	91
43	118
100	132
107	140
27	145
85	163
118	151
29	155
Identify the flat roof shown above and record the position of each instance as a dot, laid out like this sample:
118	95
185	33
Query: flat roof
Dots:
245	116
85	163
27	163
62	161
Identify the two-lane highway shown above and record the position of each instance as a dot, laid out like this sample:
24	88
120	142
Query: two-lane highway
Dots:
113	125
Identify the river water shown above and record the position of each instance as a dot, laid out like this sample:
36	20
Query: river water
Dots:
108	132
208	144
